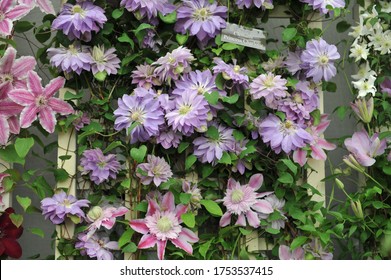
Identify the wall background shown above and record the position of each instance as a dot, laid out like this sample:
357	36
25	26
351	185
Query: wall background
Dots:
33	245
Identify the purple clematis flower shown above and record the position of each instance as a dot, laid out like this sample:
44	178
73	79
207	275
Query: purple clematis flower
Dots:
14	71
45	6
385	86
190	113
365	148
75	58
283	135
322	5
145	77
173	64
104	60
143	111
277	205
197	81
162	223
245	202
148	8
61	206
251	3
231	72
211	150
156	169
103	217
98	166
285	253
318	58
201	19
96	246
40	101
79	20
269	86
10	13
169	138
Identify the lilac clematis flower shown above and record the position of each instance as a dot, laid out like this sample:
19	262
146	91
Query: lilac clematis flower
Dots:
322	5
10	13
96	246
197	81
45	6
40	101
201	19
148	8
211	150
156	169
315	249
173	64
269	86
241	164
14	71
285	253
151	41
254	3
104	60
317	145
283	135
318	58
103	217
75	58
190	113
82	120
195	195
231	72
245	202
277	205
293	62
144	112
169	138
61	206
365	148
78	21
385	86
162	223
99	167
145	77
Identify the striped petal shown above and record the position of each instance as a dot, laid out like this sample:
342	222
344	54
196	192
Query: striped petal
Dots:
139	226
54	86
47	119
18	12
225	219
46	6
60	106
256	181
8	58
34	83
5	27
22	97
28	116
180	242
4	130
161	248
147	241
22	66
252	219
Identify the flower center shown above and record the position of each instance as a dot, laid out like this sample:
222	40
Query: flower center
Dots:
137	116
288	124
184	109
77	9
7	78
202	14
298	99
2	16
269	82
41	101
164	224
236	68
237	196
102	164
323	60
98	54
66	203
73	50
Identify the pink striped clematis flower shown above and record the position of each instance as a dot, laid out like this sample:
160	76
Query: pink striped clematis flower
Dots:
9	13
162	224
39	101
45	6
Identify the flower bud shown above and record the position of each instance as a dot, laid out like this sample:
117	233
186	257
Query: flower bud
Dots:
352	162
101	76
337	171
179	69
202	129
339	183
363	109
226	76
209	117
94	213
357	209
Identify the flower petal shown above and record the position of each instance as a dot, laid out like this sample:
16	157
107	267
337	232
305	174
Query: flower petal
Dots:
53	86
300	157
22	66
284	253
225	219
22	97
183	244
139	226
168	202
34	83
147	241
189	235
18	12
46	6
47	119
28	116
4	130
60	106
263	206
252	219
256	181
161	247
180	209
12	248
8	58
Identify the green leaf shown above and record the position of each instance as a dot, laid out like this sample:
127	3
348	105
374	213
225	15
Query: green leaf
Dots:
190	161
170	18
23	26
298	241
343	26
212	207
61	175
243	255
75	219
25	202
213	133
316	116
291	165
212	98
181	39
183	146
130	248
387	170
126	39
16	219
220	82
117	13
229	46
288	34
225	159
204	248
206	170
238	135
37	231
138	154
184	198
352	230
309	228
125	237
272	230
142	206
231	99
245	231
23	146
285	178
9	155
112	146
188	219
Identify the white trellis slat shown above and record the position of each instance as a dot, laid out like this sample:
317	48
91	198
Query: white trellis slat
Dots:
67	146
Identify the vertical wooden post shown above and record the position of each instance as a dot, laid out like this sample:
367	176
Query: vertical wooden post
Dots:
67	147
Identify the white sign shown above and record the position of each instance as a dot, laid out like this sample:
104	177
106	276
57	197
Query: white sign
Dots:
244	36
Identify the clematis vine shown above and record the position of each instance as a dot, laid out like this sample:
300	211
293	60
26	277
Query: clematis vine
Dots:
39	102
161	224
